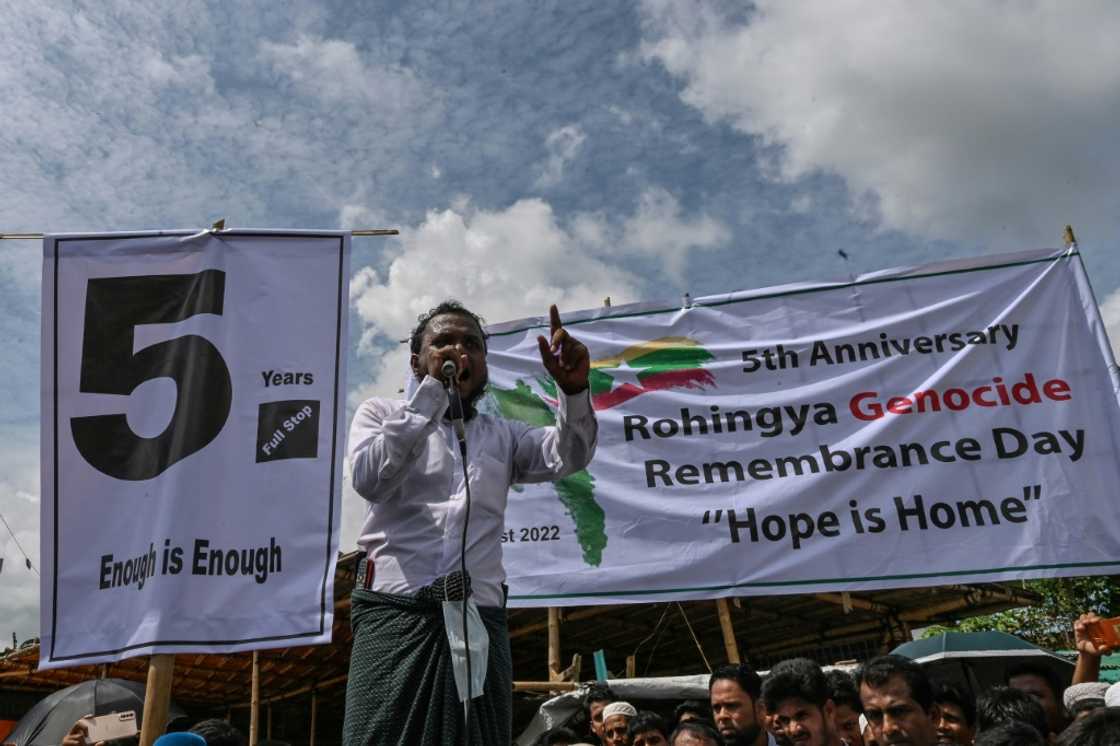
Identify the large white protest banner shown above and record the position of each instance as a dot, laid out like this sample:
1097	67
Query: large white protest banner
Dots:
193	394
940	424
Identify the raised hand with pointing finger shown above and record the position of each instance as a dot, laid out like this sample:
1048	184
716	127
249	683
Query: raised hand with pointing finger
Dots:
564	357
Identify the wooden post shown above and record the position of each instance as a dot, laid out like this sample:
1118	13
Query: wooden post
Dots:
631	666
254	701
729	642
554	665
157	698
314	713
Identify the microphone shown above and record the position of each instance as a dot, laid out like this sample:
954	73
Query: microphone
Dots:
450	372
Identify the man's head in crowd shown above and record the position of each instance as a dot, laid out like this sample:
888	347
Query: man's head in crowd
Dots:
898	701
696	733
451	332
957	725
616	723
1042	684
795	694
1098	728
1013	733
692	709
218	732
648	729
1081	699
598	696
734	691
845	697
1003	704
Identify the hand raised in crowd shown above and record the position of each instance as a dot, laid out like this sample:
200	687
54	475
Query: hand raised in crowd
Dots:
78	735
1083	642
564	357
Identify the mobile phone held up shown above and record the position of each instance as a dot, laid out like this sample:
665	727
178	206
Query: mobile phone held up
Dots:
1105	633
111	727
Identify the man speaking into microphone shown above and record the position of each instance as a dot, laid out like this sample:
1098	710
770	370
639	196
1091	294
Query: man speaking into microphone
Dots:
407	461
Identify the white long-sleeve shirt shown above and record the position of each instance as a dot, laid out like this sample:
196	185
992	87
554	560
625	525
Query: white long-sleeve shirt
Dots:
405	461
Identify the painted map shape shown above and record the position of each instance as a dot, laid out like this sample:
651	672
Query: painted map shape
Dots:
664	363
576	491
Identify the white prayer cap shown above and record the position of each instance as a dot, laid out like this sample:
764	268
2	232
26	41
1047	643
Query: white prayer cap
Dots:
1112	696
619	708
1078	693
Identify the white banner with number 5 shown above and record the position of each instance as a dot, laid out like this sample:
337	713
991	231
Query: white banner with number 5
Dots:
193	407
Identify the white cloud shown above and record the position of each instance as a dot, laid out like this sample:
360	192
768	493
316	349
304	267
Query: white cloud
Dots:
354	216
659	229
563	146
334	72
119	117
186	71
987	122
1110	314
505	264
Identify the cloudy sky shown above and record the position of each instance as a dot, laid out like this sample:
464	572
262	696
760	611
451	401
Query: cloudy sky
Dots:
546	152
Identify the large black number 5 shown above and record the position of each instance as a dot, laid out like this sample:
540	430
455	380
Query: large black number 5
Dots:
115	306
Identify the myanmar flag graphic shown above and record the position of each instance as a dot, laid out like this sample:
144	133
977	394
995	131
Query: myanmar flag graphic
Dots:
665	363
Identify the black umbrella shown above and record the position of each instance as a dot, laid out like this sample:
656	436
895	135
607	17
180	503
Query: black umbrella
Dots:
976	661
48	722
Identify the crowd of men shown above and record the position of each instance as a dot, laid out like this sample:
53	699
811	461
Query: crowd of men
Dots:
889	700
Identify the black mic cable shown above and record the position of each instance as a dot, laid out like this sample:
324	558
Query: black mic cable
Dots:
455	402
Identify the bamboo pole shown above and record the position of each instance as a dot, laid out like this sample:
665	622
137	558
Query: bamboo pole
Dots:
20	674
572	616
554	665
318	686
872	626
216	226
631	666
545	686
314	714
157	698
255	701
729	642
852	602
